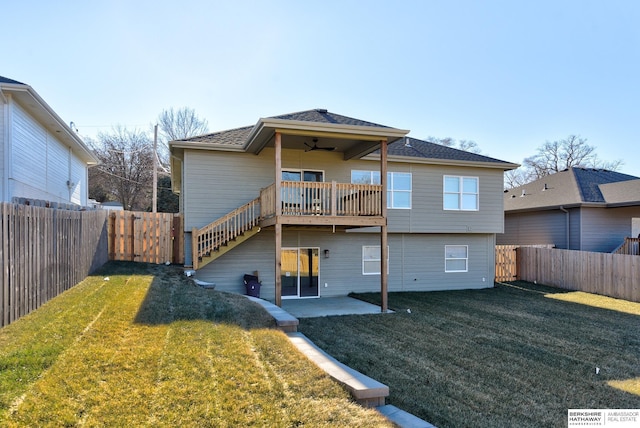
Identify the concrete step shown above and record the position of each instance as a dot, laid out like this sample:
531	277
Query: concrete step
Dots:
284	320
367	392
403	419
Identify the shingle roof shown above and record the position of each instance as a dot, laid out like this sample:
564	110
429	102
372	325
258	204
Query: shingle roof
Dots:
412	147
589	180
409	147
231	137
324	116
237	137
572	186
7	80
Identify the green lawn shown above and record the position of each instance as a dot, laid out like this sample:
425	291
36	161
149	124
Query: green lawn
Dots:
138	345
510	356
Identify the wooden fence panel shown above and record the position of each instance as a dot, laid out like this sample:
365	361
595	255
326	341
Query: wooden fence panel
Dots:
506	263
145	237
45	251
614	275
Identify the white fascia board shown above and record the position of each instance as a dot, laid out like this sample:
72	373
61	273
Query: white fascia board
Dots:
196	145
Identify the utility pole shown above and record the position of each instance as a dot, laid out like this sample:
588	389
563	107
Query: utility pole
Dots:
155	170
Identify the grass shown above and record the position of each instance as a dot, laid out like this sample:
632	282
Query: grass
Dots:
519	355
147	348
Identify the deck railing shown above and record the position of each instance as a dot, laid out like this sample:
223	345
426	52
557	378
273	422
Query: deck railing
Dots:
212	236
328	199
630	246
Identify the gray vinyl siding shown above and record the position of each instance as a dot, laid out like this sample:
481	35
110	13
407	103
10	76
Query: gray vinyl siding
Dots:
604	229
416	262
543	227
427	214
218	182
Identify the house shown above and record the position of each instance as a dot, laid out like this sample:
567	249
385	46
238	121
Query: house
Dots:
299	198
41	157
578	209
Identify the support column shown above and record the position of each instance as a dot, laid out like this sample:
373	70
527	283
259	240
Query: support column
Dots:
278	225
384	253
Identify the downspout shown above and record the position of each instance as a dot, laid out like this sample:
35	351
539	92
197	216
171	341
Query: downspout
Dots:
567	226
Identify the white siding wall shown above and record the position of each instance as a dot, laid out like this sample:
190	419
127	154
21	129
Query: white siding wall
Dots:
28	176
3	113
40	165
416	262
79	178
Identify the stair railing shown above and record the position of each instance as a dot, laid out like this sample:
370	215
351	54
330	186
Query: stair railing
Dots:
223	230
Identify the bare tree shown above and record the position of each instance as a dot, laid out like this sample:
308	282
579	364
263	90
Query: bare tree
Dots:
557	156
466	145
572	151
125	172
181	123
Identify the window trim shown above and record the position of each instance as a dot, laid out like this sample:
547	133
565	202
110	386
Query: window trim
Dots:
374	260
461	193
466	259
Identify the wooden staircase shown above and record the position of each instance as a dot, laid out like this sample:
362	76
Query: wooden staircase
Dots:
224	234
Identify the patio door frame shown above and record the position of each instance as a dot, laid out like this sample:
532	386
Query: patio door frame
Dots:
298	276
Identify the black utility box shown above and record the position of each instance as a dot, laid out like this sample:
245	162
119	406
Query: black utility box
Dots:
252	285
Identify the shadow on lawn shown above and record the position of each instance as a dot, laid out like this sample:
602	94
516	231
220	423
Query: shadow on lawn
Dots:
172	297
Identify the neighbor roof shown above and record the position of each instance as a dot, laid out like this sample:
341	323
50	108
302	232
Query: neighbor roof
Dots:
7	80
575	187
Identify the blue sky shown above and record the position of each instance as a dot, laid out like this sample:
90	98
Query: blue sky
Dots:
509	75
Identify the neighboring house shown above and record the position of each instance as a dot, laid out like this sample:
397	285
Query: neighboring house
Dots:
577	209
41	157
306	191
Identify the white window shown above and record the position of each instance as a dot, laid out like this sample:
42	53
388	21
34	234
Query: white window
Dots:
460	193
398	186
456	258
371	259
399	190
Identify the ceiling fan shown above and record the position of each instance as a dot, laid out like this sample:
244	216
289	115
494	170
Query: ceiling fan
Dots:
315	146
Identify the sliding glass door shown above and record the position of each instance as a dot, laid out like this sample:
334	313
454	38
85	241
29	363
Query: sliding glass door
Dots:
300	272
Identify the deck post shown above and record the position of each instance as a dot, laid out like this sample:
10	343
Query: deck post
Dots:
384	252
278	214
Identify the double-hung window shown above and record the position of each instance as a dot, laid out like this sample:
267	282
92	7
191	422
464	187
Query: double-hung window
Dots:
456	258
371	260
399	186
460	193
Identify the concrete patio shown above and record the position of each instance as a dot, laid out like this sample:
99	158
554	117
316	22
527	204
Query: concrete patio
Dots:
328	306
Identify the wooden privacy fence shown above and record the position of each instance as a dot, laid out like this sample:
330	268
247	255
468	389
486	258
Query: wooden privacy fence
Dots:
614	275
146	237
45	251
506	262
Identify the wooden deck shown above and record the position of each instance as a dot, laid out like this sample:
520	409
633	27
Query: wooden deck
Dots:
322	204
